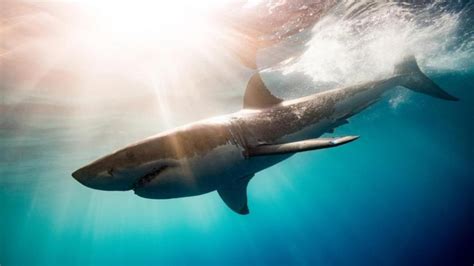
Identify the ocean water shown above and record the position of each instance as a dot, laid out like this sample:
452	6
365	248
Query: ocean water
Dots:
403	194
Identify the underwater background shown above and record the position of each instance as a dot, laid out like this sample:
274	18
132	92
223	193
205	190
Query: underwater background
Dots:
403	194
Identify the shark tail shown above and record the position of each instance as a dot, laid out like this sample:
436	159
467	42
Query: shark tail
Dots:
417	81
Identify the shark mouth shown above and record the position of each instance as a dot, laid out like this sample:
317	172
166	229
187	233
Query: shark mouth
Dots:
146	179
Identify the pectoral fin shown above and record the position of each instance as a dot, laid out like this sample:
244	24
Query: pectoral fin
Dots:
235	195
298	146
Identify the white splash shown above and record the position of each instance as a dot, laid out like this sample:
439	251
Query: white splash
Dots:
360	41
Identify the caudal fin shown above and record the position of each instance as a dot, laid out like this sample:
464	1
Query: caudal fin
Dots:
418	81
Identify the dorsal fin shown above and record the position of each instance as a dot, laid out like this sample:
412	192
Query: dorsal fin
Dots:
257	95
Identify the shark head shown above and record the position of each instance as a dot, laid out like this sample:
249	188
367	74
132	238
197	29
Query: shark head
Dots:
108	173
131	169
162	166
126	168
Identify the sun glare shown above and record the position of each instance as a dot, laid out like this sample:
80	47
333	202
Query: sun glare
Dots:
151	20
149	35
112	53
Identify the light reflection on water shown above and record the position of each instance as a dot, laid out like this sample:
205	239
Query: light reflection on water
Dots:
402	194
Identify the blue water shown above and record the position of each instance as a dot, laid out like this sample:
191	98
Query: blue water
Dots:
403	194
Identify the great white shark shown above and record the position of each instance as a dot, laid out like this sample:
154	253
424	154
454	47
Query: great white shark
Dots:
224	153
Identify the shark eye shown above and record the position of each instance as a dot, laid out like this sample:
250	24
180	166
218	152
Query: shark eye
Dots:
111	171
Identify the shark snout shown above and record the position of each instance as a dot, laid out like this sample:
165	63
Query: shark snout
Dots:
79	175
86	177
104	179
